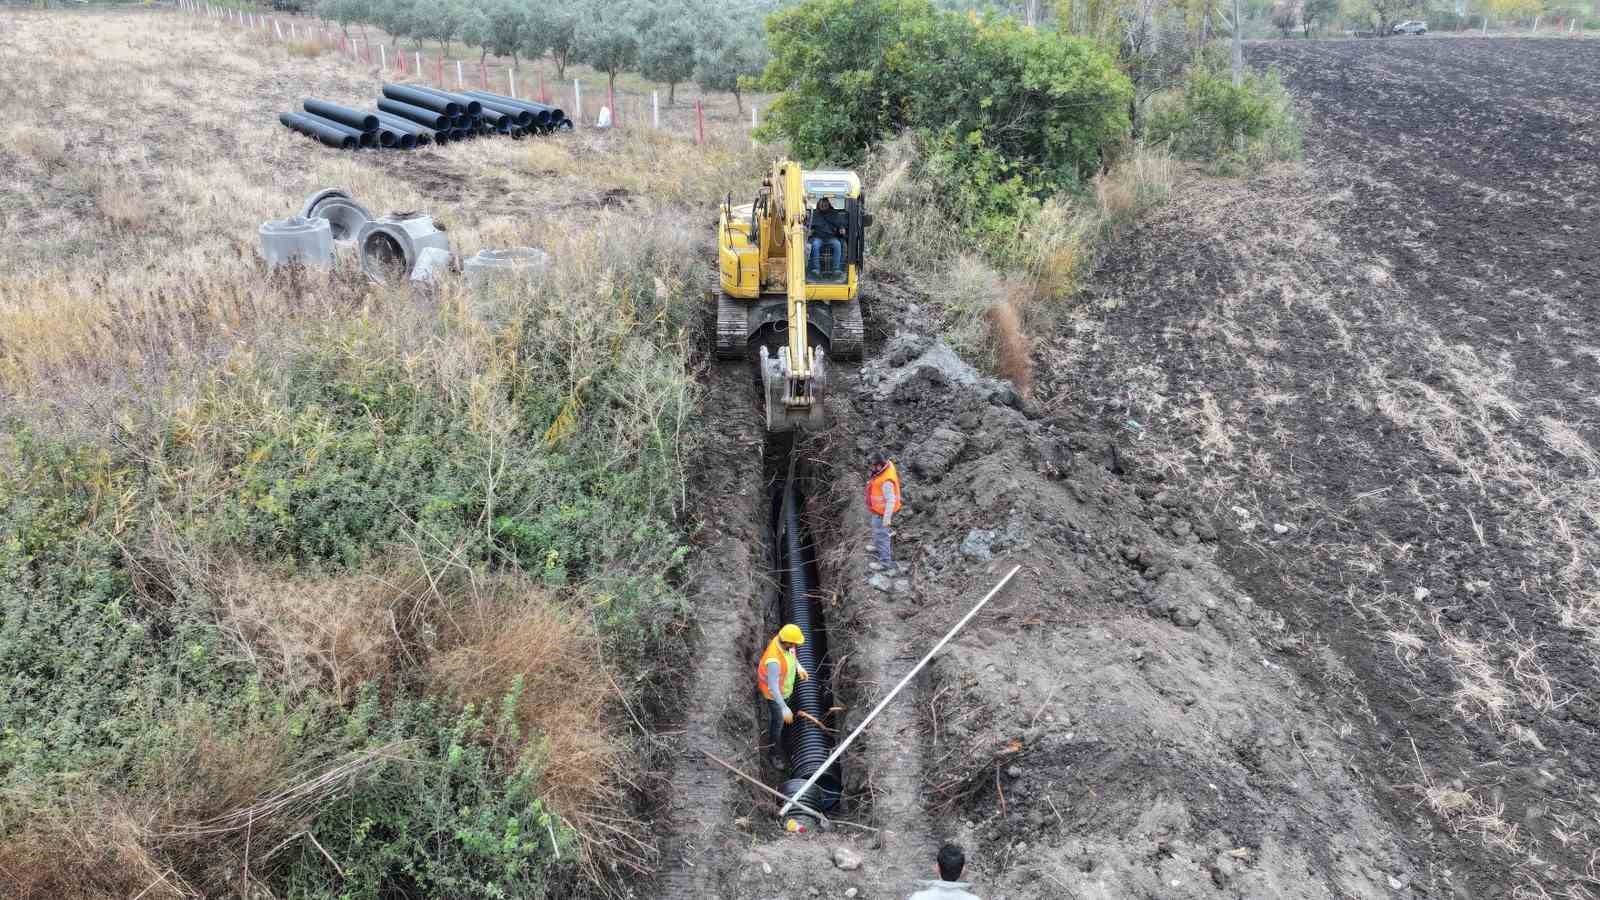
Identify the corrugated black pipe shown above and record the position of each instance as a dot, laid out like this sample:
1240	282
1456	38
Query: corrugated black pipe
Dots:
524	117
329	136
806	744
468	105
425	117
422	133
551	114
363	138
344	115
405	93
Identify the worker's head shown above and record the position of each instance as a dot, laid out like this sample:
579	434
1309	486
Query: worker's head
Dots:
951	862
879	461
825	205
791	636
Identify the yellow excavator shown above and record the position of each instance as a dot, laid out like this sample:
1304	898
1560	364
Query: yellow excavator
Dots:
765	283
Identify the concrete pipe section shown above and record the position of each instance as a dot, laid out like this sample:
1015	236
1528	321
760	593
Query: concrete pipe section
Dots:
296	239
345	216
390	248
518	264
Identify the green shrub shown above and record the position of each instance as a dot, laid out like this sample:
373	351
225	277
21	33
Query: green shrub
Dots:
1006	116
1208	118
448	816
86	667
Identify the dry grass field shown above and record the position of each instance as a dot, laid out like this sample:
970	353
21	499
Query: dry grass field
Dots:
254	518
141	150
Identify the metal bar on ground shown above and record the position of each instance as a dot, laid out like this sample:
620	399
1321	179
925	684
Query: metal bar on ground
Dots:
776	793
844	744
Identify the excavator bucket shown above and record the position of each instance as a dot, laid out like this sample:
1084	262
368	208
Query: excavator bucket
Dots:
793	402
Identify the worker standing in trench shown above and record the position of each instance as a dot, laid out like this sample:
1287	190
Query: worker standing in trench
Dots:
883	501
775	677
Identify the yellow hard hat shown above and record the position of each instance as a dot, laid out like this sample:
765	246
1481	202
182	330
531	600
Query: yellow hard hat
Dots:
791	634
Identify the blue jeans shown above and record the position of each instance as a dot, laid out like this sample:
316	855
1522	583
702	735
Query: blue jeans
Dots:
880	540
814	261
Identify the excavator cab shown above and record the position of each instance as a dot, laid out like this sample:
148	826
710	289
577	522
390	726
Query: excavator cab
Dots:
764	291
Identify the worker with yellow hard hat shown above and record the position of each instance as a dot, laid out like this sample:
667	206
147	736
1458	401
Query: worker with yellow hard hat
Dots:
775	677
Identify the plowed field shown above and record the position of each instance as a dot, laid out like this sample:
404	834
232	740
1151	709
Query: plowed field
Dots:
1381	372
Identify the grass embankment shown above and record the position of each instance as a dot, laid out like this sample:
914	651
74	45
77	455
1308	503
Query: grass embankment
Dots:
300	590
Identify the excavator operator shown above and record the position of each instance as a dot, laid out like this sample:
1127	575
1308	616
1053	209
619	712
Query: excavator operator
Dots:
827	228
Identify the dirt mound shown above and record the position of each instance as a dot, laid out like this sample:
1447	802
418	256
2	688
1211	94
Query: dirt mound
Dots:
1109	726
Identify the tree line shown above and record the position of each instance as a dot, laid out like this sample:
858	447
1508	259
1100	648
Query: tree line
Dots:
720	47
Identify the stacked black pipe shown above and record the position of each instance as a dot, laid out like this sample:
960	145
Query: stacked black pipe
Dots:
806	744
412	115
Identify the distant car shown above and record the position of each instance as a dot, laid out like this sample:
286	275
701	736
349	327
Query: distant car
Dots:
1411	28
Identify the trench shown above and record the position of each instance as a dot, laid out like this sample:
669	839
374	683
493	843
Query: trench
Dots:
799	601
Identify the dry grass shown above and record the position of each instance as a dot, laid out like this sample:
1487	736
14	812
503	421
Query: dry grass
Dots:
330	632
133	262
989	318
46	148
308	48
1014	359
131	283
512	640
97	853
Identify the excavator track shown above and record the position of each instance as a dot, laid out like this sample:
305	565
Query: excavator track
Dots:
733	326
849	331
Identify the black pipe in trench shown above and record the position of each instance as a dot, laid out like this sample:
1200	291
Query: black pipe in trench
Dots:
806	744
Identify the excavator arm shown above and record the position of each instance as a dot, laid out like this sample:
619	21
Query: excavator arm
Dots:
794	381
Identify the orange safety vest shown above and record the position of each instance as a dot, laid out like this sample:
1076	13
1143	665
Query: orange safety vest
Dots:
875	490
786	669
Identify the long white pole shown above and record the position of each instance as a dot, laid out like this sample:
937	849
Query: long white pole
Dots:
460	81
577	99
655	109
839	750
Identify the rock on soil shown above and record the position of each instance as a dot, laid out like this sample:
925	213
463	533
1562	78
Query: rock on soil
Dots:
846	859
934	456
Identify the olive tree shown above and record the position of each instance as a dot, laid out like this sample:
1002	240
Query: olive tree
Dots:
1317	12
608	37
395	17
667	39
500	27
555	31
731	57
439	20
345	13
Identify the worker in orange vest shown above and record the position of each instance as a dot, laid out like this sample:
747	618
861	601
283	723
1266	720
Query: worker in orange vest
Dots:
883	501
775	676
